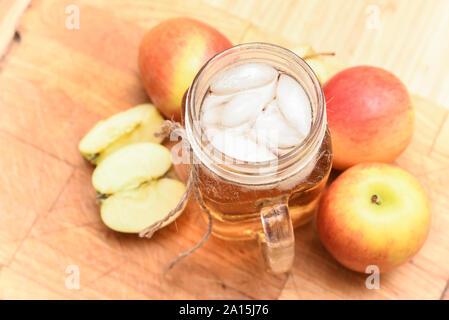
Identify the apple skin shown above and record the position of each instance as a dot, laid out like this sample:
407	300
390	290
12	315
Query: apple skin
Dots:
370	116
358	232
171	54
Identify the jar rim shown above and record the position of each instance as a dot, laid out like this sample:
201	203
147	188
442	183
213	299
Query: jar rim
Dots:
261	168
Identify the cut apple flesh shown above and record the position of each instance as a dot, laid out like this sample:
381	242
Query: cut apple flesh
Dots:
131	166
137	124
131	211
144	132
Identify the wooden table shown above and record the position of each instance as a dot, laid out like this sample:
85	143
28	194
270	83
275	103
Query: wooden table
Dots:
55	83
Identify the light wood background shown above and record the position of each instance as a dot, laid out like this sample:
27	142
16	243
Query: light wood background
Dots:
56	83
409	38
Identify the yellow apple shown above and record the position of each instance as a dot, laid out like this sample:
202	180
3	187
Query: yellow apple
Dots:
373	214
314	60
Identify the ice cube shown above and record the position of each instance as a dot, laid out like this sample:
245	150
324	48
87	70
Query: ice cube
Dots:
272	129
212	107
242	129
243	77
212	115
212	130
240	147
247	105
294	104
251	114
211	100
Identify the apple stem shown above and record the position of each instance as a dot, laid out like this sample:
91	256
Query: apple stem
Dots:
317	54
375	199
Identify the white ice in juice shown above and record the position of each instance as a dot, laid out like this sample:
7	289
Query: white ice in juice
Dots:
255	113
243	77
294	104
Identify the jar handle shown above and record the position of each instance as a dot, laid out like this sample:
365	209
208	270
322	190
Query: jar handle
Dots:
278	240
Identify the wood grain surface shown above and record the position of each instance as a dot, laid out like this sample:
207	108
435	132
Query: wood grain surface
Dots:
56	83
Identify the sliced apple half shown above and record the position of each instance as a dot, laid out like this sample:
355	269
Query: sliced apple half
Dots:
137	124
131	211
131	166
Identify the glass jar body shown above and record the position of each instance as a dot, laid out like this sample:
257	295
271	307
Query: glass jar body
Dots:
235	207
237	195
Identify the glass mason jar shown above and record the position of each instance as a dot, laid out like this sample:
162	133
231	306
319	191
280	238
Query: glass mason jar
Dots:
261	200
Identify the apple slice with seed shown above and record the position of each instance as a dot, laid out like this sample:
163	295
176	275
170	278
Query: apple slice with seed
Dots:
137	124
133	210
131	166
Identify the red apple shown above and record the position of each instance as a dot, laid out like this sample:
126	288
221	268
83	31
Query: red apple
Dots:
373	214
170	56
370	116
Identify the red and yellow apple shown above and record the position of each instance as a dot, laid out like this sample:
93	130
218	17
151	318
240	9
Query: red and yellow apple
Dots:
373	214
171	54
370	116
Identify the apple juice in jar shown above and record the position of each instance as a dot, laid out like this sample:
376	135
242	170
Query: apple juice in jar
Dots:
256	121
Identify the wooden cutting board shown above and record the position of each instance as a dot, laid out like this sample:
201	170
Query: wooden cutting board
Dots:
55	84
